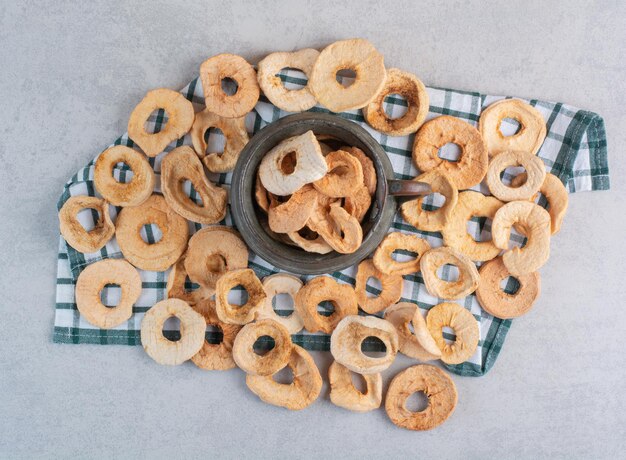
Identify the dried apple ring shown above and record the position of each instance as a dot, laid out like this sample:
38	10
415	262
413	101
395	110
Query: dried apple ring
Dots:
319	289
215	356
530	136
391	288
212	252
438	387
357	55
413	90
468	275
320	222
536	224
358	203
233	314
500	304
94	278
294	213
261	194
75	234
469	169
535	169
229	66
310	241
180	165
419	344
117	193
279	174
465	328
431	221
344	176
339	229
235	135
270	362
175	288
297	395
272	86
367	165
455	233
180	115
556	195
281	283
157	256
348	336
160	348
344	394
384	261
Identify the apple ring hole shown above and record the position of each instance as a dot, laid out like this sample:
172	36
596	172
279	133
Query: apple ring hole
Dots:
191	193
508	174
345	77
215	140
340	170
448	334
156	121
284	376
510	285
395	106
448	272
87	218
450	152
110	295
292	78
403	255
122	173
509	127
417	402
171	329
282	303
263	345
375	284
371	346
476	226
358	382
238	296
229	86
433	201
308	234
288	163
151	233
326	308
215	263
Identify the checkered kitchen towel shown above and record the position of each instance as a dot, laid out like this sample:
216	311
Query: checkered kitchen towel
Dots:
574	150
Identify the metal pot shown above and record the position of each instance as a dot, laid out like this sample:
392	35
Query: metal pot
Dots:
252	224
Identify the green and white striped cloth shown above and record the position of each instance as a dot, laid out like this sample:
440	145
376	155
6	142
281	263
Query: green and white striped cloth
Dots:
574	150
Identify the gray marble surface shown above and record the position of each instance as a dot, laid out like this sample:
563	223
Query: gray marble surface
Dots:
72	72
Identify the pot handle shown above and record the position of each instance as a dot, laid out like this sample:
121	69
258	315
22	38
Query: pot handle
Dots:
408	188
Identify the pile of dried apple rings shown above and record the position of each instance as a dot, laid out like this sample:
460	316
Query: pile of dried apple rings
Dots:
316	196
